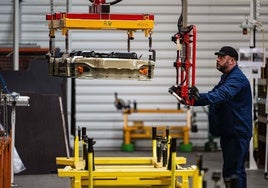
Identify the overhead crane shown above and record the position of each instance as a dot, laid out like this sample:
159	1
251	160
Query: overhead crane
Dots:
95	65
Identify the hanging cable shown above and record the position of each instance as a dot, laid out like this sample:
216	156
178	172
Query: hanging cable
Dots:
4	86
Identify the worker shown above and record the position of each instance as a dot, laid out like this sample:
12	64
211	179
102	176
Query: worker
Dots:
230	116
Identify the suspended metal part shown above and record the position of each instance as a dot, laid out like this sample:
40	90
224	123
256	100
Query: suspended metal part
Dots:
91	65
99	18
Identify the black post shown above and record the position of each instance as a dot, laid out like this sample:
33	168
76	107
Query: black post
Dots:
73	106
153	133
171	149
91	150
158	148
84	132
85	152
164	151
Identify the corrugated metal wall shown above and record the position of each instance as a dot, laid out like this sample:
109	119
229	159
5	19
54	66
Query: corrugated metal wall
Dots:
218	24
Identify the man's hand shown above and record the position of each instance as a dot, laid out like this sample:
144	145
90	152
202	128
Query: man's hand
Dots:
193	95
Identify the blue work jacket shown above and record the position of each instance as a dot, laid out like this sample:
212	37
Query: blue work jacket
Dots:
230	110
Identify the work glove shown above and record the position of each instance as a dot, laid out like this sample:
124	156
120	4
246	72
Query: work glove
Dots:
194	93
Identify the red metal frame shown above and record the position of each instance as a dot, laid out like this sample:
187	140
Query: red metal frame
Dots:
95	16
186	70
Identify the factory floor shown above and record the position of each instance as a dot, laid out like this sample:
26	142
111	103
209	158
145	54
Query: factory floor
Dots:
211	160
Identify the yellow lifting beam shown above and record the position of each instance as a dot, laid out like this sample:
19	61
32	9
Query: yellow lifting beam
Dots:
84	24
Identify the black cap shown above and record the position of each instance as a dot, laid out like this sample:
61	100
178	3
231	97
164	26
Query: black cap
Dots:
228	50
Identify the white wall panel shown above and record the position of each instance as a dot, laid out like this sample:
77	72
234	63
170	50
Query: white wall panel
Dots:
218	24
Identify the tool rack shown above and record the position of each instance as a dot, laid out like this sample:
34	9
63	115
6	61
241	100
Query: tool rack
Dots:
139	131
154	171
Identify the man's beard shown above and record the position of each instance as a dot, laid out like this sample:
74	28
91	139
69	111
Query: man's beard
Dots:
221	68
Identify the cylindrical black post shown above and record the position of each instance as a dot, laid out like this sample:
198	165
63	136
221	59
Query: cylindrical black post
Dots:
135	105
153	133
84	132
164	151
171	149
91	150
199	162
85	154
173	145
90	145
167	132
73	107
158	148
169	159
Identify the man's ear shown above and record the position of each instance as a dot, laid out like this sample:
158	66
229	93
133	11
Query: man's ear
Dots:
233	61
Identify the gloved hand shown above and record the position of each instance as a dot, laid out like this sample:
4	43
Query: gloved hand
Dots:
194	93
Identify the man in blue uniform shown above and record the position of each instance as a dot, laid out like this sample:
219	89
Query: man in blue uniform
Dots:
230	116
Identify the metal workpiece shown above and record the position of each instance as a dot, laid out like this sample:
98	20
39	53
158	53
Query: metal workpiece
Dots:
101	68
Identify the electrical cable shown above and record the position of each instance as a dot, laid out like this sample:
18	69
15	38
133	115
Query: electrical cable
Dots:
179	25
181	17
114	2
111	3
4	86
14	95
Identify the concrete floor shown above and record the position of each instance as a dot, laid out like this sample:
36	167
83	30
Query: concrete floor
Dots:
211	160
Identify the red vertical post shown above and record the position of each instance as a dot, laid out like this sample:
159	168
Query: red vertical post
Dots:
194	56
